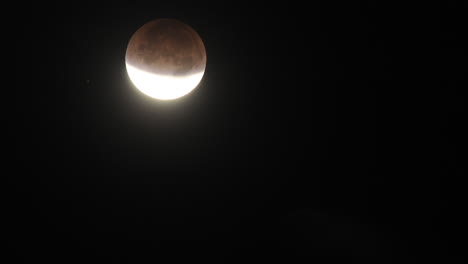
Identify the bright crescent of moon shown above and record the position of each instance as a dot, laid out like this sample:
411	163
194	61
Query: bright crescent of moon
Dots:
163	87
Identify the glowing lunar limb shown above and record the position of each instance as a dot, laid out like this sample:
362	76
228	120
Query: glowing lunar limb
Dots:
162	86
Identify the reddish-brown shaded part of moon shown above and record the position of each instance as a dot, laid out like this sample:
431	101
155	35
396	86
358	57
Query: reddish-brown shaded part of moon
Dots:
166	47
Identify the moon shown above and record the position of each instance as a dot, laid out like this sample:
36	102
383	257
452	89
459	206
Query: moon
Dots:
165	59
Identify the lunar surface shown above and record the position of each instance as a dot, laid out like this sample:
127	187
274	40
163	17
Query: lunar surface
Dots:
165	59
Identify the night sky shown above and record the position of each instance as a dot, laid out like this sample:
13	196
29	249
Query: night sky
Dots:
320	133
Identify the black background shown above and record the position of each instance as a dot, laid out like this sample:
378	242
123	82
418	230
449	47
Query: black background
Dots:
320	132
